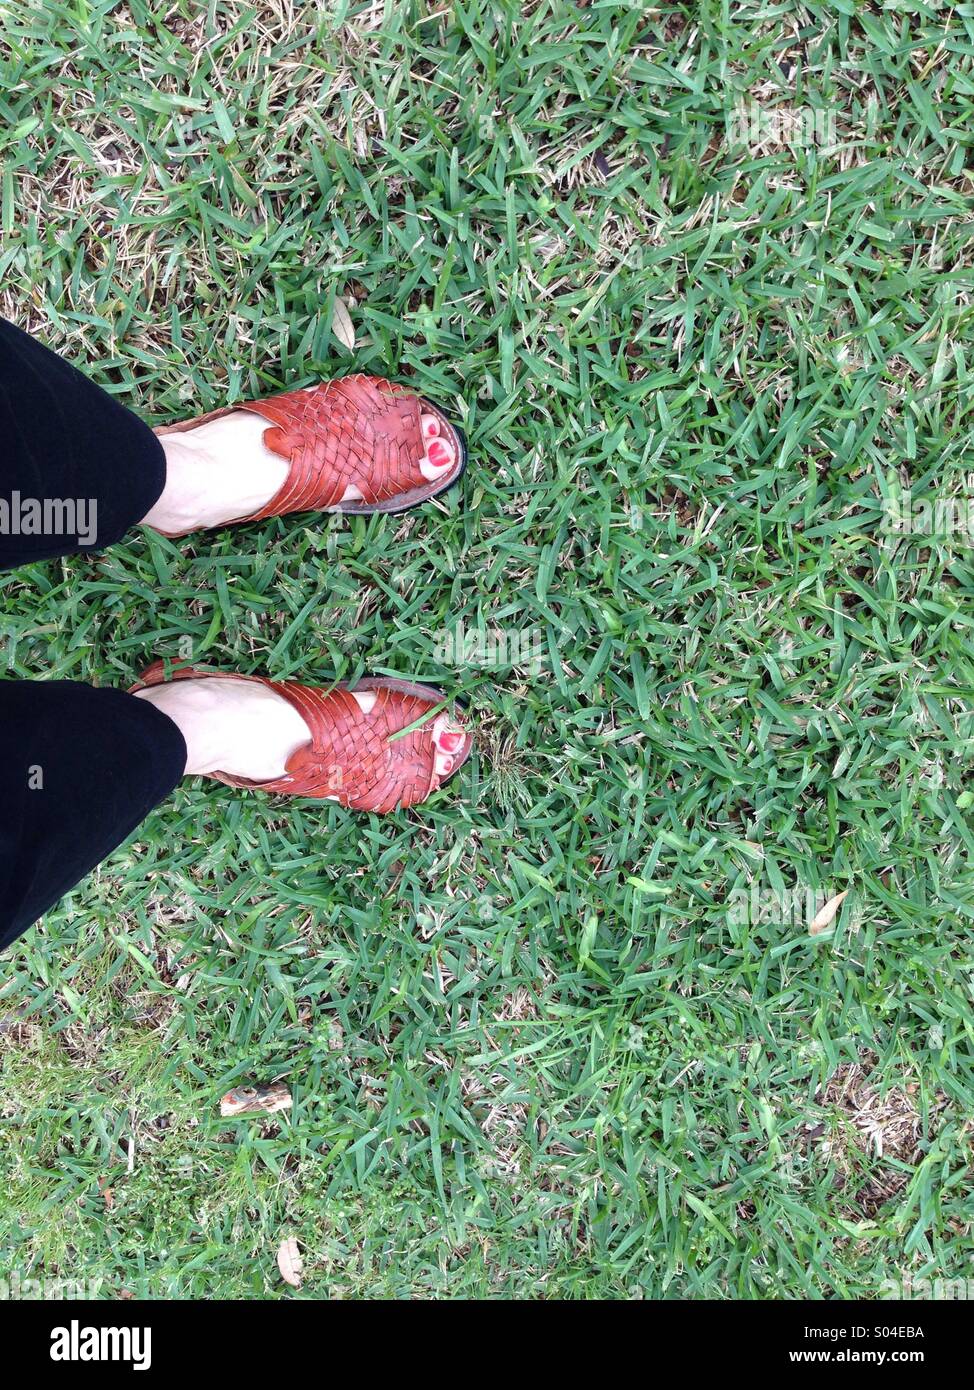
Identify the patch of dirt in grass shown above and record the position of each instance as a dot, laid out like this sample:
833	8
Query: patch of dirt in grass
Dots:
16	1032
83	1045
868	1133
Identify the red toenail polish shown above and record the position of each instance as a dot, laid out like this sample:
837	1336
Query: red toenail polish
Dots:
450	743
431	427
439	453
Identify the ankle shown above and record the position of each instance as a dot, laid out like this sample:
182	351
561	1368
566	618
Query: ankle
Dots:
237	727
216	473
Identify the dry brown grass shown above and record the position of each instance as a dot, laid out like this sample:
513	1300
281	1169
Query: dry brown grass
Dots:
871	1137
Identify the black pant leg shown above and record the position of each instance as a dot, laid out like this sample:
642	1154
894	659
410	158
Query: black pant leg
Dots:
79	769
65	442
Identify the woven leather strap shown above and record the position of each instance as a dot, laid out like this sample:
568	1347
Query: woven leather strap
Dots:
359	430
350	756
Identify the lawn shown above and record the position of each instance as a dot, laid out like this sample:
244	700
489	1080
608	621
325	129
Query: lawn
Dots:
698	280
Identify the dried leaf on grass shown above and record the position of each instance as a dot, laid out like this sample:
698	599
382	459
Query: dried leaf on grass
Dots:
290	1263
256	1100
826	913
341	325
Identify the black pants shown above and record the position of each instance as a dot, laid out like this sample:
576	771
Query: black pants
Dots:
79	767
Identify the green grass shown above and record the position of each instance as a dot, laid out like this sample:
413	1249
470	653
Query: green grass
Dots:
537	1046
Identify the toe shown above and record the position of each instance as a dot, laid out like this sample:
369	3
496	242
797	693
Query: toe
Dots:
430	425
439	459
448	741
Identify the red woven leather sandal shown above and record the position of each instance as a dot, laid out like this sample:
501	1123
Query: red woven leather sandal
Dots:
350	756
359	430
